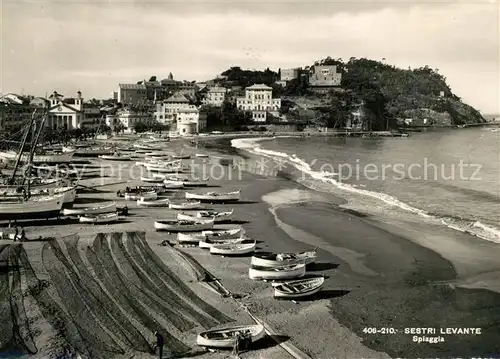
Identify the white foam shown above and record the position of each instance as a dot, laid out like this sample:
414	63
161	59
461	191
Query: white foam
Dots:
475	228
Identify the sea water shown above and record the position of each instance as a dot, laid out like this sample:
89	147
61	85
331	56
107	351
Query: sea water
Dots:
449	177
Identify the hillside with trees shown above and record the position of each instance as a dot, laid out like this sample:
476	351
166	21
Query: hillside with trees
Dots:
385	93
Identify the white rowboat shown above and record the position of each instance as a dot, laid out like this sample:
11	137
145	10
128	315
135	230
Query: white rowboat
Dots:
183	226
207	243
298	288
219	216
111	207
145	195
224	233
100	218
289	272
273	260
151	180
186	205
233	249
215	196
226	338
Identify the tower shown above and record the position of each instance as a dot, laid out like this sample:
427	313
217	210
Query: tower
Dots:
170	76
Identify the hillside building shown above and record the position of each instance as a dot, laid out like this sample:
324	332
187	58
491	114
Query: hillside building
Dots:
215	96
324	78
259	101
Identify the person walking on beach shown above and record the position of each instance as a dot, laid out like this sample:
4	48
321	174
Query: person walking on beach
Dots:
159	344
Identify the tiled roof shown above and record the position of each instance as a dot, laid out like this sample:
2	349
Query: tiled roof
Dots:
259	87
177	98
132	86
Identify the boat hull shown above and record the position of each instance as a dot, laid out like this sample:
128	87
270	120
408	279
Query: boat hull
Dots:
174	227
280	292
51	158
185	206
229	197
296	272
31	209
233	249
204	339
90	210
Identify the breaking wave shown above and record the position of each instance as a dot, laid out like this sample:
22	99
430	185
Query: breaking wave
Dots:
320	179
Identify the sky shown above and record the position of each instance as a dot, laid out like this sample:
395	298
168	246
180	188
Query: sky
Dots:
93	45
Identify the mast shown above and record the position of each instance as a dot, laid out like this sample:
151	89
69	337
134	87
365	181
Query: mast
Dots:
33	148
23	145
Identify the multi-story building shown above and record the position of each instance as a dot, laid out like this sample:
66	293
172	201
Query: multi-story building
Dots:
324	78
167	110
16	110
132	94
64	112
215	96
189	122
259	100
126	119
288	75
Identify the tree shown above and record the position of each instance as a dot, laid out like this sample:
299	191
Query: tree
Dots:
152	79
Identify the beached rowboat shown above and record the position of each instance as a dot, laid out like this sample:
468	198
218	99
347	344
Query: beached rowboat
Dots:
110	207
219	216
207	243
100	218
183	226
227	234
187	182
145	195
227	337
233	249
215	196
288	272
154	203
298	288
201	155
173	185
186	205
282	259
224	233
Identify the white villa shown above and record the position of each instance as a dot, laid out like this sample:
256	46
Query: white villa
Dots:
66	113
126	118
259	100
189	122
178	112
215	96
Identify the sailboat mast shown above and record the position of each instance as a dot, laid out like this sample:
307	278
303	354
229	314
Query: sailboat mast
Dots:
23	145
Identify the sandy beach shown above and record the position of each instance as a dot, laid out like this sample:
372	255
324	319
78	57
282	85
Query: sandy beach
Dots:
103	290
